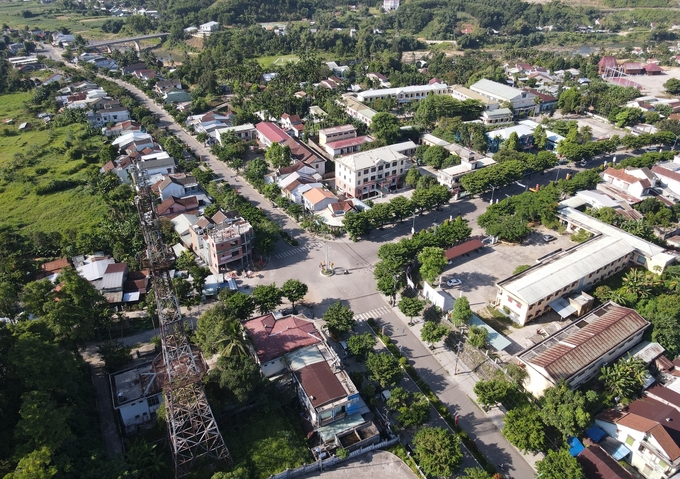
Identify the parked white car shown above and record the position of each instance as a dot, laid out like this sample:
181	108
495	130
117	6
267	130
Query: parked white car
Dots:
454	282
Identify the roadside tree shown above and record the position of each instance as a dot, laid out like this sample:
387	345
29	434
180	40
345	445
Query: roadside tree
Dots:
384	369
461	313
267	297
339	319
432	263
433	332
294	290
411	307
438	451
559	465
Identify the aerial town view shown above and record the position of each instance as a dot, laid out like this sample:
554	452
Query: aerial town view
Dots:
394	239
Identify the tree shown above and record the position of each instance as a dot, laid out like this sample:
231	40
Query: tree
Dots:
412	177
384	368
199	275
433	332
461	313
356	224
240	305
413	409
435	156
380	214
278	156
267	298
566	410
437	451
476	473
361	344
294	290
672	86
512	143
401	206
624	379
508	228
432	263
628	117
385	126
540	138
411	307
524	429
339	319
559	465
477	336
569	101
239	375
115	355
185	261
492	391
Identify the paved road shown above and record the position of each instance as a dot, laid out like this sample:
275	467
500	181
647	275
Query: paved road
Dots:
359	289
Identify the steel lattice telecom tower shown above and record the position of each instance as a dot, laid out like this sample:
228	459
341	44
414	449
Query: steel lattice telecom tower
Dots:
191	424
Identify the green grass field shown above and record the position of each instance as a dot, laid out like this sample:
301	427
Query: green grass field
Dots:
33	158
51	17
277	60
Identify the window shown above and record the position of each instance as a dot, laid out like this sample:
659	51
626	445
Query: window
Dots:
373	170
373	178
630	440
394	163
380	168
153	401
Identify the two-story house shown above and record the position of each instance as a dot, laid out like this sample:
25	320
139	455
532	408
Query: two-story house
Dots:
634	181
136	395
650	429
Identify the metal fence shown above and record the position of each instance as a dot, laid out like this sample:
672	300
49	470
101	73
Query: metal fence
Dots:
332	461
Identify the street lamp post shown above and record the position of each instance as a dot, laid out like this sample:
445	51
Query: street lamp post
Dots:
493	190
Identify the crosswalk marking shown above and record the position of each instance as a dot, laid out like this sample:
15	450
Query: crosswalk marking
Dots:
299	249
374	313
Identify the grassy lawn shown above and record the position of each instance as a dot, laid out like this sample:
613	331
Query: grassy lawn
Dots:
35	157
266	443
51	17
277	60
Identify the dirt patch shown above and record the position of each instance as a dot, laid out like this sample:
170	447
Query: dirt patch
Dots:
63	17
195	42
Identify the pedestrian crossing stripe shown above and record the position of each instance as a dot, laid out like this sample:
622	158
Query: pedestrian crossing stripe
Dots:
374	313
299	249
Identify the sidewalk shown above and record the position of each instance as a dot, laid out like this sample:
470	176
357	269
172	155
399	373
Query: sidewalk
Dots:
465	379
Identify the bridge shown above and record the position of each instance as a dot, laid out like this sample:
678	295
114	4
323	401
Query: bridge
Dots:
117	41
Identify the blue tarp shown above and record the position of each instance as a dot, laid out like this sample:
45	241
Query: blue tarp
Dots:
575	446
595	433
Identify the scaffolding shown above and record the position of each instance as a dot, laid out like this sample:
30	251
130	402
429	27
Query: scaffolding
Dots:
192	427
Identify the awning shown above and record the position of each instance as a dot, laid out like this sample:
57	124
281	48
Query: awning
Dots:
614	448
562	307
575	446
595	433
131	297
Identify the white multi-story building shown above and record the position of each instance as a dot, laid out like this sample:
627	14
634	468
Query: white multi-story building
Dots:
522	102
136	395
405	94
390	5
368	173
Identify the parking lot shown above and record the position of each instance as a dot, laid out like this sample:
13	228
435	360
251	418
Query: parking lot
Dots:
479	271
653	84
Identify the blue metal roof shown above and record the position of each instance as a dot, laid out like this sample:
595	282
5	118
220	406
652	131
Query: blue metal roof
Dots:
496	340
595	433
575	446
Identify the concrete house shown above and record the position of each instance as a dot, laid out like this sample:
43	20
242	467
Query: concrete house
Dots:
336	133
246	132
136	395
634	181
405	94
269	133
224	241
649	429
317	199
178	184
209	27
577	352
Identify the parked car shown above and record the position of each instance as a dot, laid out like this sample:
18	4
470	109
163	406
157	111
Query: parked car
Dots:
454	282
549	238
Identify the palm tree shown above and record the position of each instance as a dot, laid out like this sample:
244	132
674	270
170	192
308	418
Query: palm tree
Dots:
235	342
639	282
624	378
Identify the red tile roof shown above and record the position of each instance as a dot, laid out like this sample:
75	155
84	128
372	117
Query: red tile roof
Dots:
463	248
660	171
320	383
622	175
607	61
272	132
652	67
597	464
273	338
116	268
55	266
359	140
